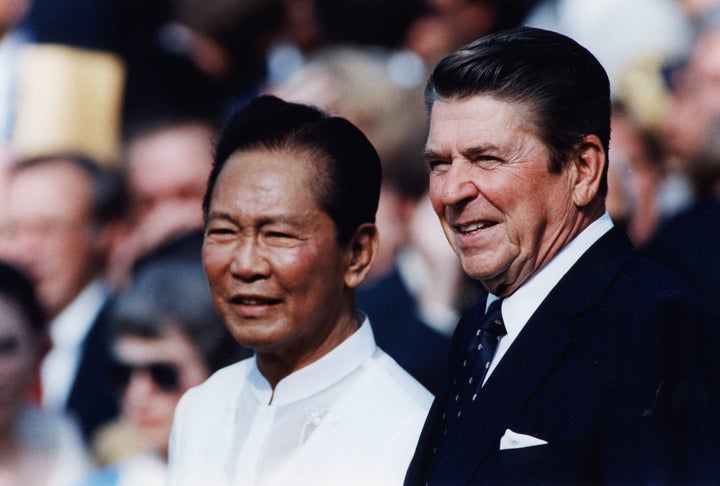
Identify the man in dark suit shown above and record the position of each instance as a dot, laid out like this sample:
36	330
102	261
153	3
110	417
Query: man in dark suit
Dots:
688	242
59	222
597	365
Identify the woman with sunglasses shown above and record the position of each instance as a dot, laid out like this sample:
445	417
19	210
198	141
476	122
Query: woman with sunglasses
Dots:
166	338
36	447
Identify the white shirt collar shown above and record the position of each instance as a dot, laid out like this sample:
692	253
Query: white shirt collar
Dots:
331	368
75	320
68	331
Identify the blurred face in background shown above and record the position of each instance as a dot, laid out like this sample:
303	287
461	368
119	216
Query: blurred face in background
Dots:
167	176
19	360
48	231
695	101
450	25
167	169
154	372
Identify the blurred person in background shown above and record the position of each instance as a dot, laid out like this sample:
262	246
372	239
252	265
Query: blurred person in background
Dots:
12	41
302	27
698	10
314	26
695	100
638	180
62	215
208	50
228	42
448	25
166	337
688	243
36	448
423	29
167	160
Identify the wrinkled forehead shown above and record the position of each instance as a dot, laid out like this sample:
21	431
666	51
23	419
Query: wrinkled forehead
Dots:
485	110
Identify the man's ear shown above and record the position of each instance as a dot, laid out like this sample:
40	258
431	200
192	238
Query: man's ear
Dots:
362	250
588	167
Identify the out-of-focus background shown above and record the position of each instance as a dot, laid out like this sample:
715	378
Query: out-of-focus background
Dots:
108	112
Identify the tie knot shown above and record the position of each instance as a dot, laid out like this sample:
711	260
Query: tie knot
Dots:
493	321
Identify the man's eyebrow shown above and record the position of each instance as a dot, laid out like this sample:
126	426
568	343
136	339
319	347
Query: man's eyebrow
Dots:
219	215
429	155
479	149
291	219
471	151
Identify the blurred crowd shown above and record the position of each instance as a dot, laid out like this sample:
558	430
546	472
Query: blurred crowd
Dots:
108	113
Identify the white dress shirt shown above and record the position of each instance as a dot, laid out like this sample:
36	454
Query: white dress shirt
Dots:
68	332
521	305
352	417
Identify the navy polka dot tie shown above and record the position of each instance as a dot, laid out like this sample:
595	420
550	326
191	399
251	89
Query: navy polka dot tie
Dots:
466	383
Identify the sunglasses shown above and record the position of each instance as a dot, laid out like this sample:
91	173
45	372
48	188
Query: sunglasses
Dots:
165	376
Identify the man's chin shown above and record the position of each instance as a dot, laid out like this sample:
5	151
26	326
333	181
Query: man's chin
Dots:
487	275
497	283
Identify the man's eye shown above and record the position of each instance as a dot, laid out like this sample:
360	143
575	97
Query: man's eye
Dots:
435	164
281	238
219	231
487	161
278	235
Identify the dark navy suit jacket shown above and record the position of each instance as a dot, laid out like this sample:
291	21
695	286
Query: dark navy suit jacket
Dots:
617	371
93	398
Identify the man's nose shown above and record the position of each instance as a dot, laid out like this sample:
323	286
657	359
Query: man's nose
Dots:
457	184
249	261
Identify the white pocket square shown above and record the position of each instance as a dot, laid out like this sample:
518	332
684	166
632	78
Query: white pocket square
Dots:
513	440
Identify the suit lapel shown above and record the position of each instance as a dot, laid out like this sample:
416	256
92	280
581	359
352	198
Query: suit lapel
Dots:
543	341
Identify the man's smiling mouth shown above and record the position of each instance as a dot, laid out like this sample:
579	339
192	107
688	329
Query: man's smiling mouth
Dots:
472	227
252	300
